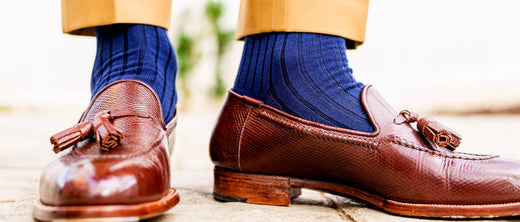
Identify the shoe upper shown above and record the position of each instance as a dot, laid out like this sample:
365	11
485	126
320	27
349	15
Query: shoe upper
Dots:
395	161
136	171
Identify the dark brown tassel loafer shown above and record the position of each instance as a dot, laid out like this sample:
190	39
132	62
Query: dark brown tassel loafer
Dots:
265	156
114	163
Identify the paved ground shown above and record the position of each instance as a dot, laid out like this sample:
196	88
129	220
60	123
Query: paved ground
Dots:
25	150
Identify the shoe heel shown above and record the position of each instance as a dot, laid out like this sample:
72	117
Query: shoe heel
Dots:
253	188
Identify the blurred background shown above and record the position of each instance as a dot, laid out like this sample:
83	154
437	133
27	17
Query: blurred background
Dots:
444	55
455	59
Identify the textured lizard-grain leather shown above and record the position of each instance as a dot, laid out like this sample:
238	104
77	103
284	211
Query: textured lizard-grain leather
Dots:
394	162
136	171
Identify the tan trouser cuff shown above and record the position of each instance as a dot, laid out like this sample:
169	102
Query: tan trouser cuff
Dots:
79	17
345	18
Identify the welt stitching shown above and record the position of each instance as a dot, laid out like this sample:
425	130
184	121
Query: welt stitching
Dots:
348	142
475	154
322	131
436	153
287	128
350	137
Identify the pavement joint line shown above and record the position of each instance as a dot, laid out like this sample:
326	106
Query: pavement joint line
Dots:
342	214
17	200
7	201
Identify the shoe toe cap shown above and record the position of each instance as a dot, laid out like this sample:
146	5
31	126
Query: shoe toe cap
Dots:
72	181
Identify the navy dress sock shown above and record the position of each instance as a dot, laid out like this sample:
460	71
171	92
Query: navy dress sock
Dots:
141	52
303	74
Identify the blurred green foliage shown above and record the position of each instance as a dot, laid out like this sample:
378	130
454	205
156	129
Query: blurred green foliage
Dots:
214	11
187	57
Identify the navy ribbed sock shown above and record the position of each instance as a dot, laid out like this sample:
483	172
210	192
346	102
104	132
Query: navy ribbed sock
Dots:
141	52
303	74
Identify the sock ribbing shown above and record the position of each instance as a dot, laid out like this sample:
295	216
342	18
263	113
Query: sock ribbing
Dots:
141	52
305	75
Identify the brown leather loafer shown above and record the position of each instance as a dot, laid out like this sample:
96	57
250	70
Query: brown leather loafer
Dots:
265	156
114	162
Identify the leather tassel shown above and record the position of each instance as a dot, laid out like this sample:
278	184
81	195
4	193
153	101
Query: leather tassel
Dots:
438	133
71	136
107	135
432	130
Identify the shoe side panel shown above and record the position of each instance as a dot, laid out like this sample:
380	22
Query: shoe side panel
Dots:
226	137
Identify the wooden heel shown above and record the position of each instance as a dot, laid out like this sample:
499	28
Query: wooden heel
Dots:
253	188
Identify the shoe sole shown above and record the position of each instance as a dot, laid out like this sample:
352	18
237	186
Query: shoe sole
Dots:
132	212
230	186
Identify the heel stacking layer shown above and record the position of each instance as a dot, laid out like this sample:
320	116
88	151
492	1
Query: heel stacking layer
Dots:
121	212
253	188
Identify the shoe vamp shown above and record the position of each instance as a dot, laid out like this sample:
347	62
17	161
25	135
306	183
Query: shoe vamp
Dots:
86	180
407	174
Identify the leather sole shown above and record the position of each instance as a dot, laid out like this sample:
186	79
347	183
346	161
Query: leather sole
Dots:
130	212
279	190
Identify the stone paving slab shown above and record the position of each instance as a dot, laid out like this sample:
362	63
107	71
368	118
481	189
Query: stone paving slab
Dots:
25	150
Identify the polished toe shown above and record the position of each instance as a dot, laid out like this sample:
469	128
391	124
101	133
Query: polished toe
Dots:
72	180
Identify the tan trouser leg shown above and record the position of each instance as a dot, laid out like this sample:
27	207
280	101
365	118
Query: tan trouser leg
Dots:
345	18
79	17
